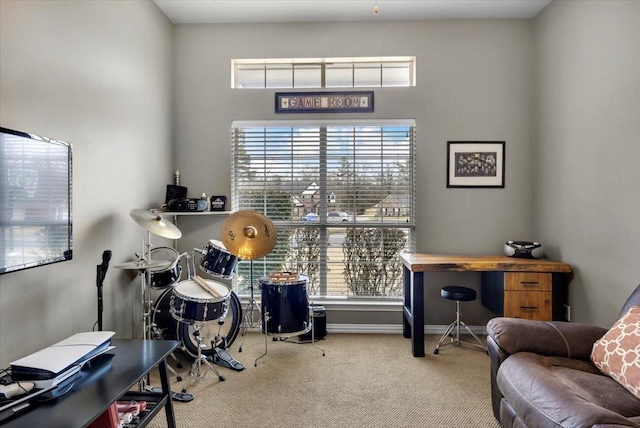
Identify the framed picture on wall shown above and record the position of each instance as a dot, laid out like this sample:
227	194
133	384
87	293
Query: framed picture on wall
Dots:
475	163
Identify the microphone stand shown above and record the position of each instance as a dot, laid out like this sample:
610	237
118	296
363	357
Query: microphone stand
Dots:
99	280
101	272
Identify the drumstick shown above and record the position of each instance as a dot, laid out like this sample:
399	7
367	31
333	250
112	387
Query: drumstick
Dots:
205	285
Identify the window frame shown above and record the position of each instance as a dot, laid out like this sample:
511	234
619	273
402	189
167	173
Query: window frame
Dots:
294	64
325	224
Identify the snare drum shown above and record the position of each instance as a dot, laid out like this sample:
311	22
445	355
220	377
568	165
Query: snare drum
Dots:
217	261
165	277
191	304
168	328
286	302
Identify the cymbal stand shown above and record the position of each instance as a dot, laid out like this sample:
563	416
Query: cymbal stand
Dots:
266	319
149	329
156	333
192	272
146	298
145	278
195	374
248	316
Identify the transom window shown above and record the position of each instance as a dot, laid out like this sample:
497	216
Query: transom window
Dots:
341	195
323	73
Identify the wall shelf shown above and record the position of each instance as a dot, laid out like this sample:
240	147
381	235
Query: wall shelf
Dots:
183	213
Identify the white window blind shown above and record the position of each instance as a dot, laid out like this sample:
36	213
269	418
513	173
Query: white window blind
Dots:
342	197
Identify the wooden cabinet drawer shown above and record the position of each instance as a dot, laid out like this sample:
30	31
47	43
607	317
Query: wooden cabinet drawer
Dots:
534	305
527	281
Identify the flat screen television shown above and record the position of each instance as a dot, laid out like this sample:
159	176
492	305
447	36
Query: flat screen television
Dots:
35	201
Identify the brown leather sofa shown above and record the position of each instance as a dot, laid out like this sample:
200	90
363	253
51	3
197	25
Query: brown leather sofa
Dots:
542	376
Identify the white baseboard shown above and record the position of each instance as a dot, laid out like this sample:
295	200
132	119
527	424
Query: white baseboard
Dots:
396	329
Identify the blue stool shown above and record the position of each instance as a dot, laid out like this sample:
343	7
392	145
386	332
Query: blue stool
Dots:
459	294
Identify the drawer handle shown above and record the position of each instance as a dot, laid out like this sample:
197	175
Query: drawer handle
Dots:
529	308
529	283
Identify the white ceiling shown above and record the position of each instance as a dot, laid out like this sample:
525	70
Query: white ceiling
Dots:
253	11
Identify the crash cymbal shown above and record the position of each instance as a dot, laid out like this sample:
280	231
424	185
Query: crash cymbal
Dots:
143	264
249	235
155	223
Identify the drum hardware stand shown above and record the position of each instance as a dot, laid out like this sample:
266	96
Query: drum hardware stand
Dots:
264	327
157	335
220	356
248	316
147	326
313	333
195	372
266	320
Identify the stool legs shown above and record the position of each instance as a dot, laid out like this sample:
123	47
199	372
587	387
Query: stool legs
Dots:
455	340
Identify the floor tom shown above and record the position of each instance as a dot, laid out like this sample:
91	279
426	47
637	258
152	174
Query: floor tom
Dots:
285	304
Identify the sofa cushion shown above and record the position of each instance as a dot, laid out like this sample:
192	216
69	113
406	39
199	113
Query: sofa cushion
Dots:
562	392
616	353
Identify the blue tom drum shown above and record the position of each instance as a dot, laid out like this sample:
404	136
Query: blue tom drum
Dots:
217	261
165	277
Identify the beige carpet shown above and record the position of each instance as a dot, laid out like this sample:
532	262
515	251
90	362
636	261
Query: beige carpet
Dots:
364	380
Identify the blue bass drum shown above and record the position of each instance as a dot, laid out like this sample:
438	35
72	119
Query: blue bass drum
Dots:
166	327
285	304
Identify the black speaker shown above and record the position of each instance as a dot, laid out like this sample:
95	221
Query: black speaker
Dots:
319	322
175	192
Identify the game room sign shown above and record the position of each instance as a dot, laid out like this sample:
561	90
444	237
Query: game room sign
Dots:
324	102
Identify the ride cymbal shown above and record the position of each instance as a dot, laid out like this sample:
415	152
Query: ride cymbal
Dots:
155	223
249	235
143	264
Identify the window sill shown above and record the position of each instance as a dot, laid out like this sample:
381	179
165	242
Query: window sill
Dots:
352	305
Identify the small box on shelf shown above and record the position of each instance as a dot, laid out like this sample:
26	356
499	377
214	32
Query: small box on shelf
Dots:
218	203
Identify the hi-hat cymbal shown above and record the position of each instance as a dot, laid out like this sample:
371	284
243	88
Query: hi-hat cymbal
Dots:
249	235
155	223
143	264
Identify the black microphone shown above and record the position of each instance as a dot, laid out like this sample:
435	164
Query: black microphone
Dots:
106	256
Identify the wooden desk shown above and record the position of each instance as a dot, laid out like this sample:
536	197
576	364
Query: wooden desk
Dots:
107	380
415	265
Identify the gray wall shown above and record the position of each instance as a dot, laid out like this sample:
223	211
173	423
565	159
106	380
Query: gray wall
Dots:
587	143
96	74
474	82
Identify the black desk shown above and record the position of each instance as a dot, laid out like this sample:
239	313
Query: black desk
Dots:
107	380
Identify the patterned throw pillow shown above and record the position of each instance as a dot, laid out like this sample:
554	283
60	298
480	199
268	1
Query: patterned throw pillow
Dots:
617	353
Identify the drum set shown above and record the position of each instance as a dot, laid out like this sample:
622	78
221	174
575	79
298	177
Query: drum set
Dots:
195	310
203	314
